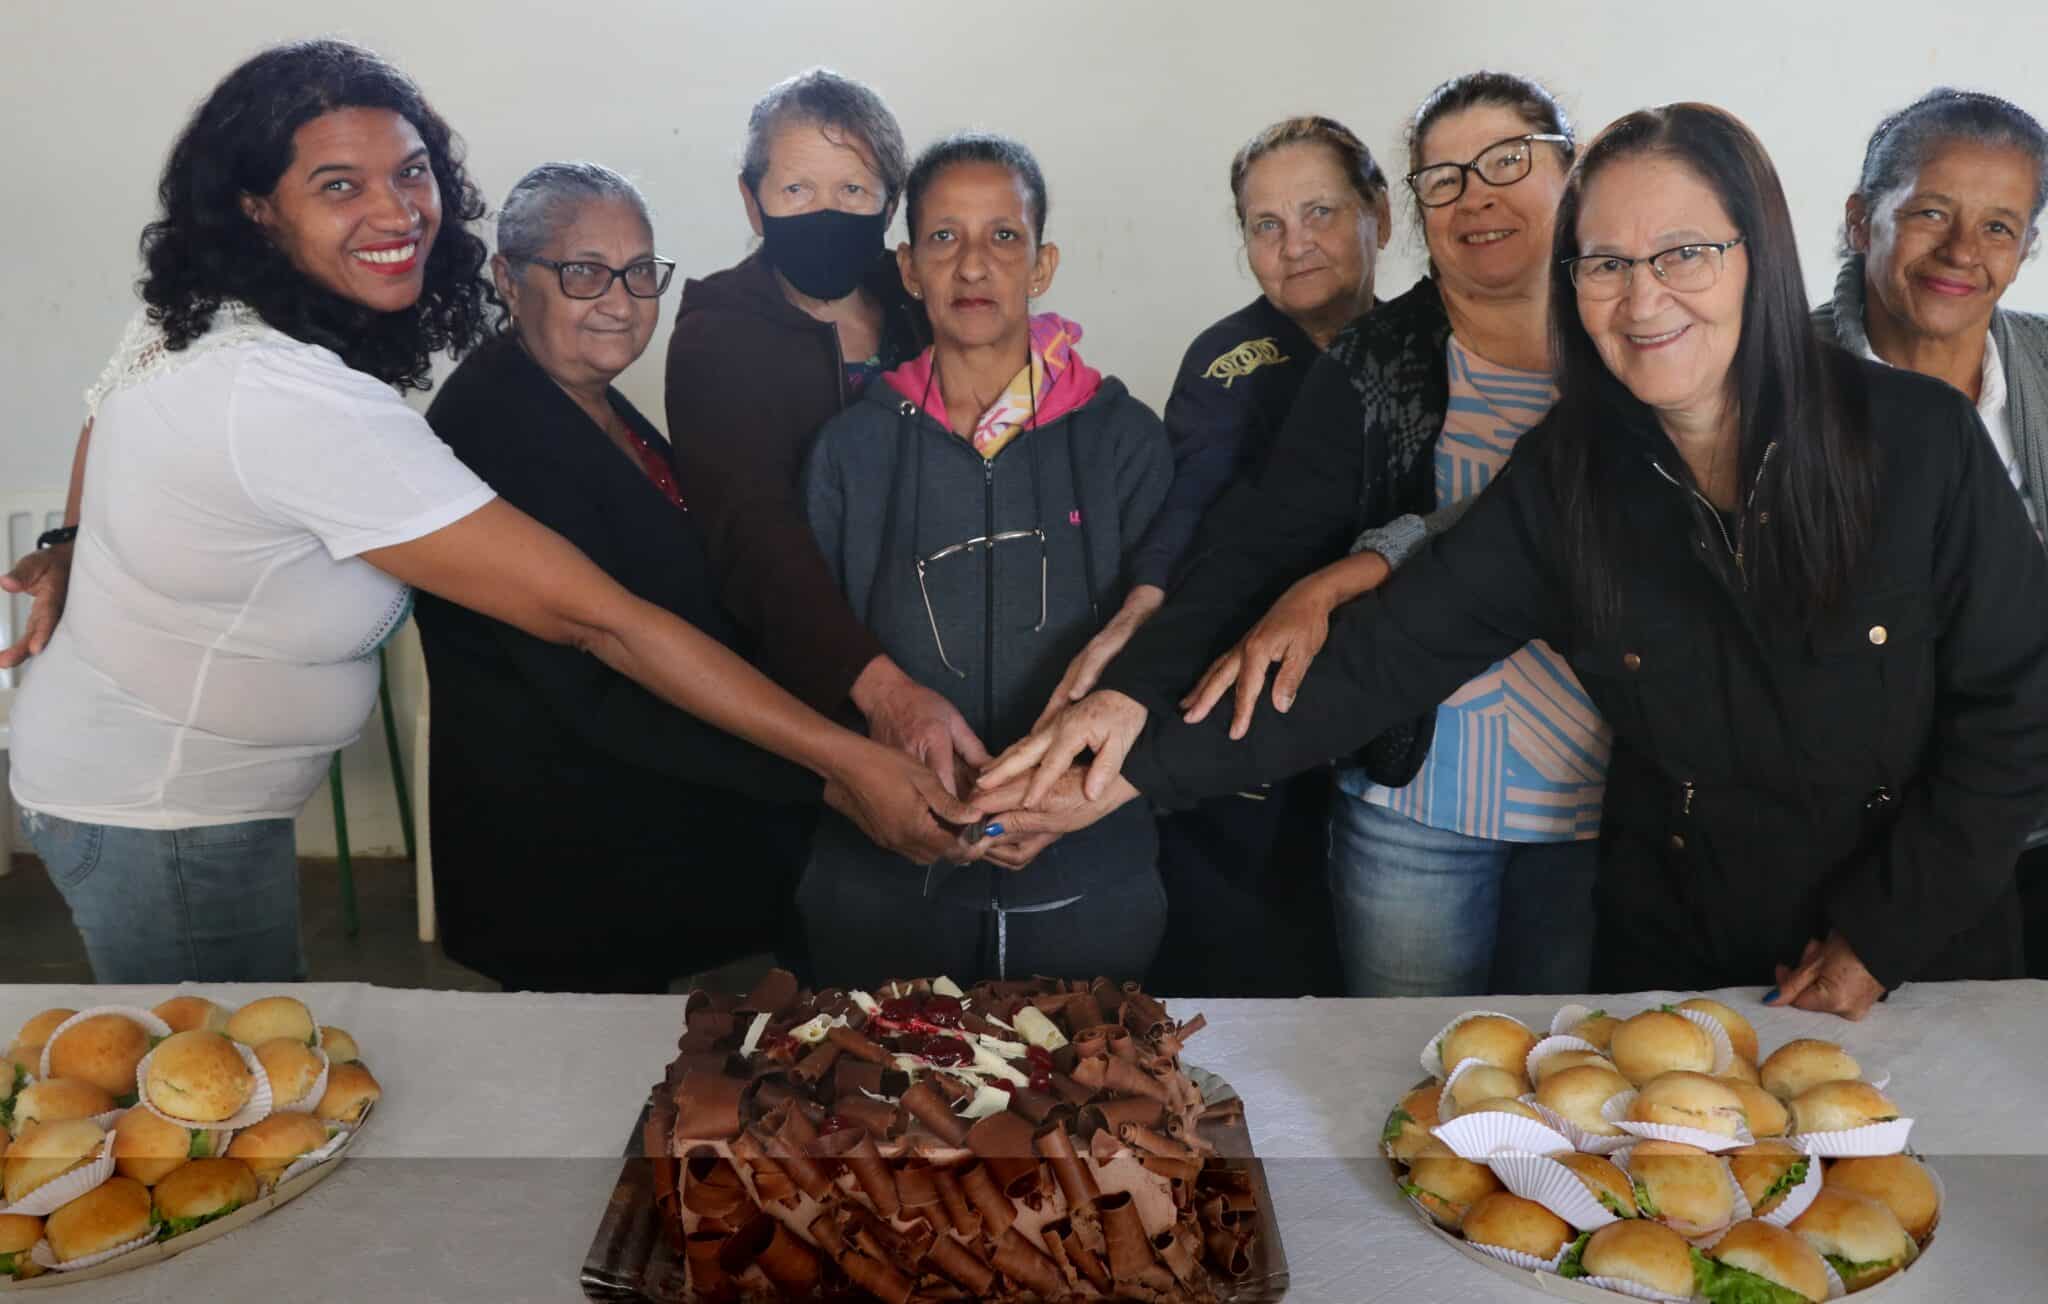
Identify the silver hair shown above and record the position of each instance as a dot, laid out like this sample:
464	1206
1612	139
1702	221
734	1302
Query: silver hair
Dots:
1904	141
548	198
835	103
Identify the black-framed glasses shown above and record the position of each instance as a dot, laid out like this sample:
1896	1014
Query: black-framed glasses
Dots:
1687	268
645	278
1502	163
988	541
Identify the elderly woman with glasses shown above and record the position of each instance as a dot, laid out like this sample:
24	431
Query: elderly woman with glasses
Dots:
979	507
1797	584
586	837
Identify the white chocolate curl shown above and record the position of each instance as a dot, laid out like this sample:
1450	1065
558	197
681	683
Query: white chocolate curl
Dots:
1039	1030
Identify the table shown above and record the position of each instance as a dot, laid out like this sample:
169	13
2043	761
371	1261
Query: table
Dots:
504	1117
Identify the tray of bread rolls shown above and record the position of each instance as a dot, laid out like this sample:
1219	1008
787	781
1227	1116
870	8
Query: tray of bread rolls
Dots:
1660	1154
131	1134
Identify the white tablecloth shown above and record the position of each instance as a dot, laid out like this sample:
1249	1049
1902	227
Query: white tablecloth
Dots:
503	1119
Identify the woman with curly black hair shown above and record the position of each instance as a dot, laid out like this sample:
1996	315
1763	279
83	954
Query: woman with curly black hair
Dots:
258	502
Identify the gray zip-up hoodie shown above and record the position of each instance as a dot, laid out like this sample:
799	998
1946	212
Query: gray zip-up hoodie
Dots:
887	485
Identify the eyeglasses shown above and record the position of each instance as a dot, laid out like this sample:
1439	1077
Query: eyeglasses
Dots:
1502	163
645	279
1687	268
988	541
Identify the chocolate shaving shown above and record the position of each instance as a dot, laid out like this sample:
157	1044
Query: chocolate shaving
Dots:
877	1116
788	1146
817	1062
1229	1252
961	1264
923	1103
789	1263
1130	1250
958	1211
1144	1138
858	1043
1035	1107
1075	1252
998	1211
856	1149
1180	1249
712	1187
878	1279
1071	1091
824	1229
1118	1114
1084	1012
1143	1015
1025	1264
1092	1044
1076	1180
707	1107
850	1074
1003	1143
775	993
708	1278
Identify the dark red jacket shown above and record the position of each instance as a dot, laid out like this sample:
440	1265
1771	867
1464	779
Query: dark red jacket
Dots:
751	379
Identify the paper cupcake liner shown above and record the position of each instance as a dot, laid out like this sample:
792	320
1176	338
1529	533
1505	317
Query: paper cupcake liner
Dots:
1739	1210
1583	1141
309	1102
52	1196
1571	1016
1552	1185
1836	1286
1724	1049
258	1108
154	1026
1799	1198
1615	1111
1552	1045
314	1158
1478	1137
1432	1058
1858	1142
1521	1260
1634	1290
1445	1110
43	1254
108	1120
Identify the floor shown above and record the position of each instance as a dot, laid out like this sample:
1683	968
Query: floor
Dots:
39	945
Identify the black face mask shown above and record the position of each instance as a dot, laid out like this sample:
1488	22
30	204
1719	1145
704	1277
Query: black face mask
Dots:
825	253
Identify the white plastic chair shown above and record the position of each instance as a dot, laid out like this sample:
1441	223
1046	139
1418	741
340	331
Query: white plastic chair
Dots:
22	518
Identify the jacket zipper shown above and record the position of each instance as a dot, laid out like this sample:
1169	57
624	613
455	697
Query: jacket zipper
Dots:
988	674
1734	545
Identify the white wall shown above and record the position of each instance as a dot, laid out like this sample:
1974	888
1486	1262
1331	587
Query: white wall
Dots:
1133	108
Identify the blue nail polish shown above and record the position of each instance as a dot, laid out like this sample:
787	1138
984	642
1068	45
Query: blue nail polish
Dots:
992	831
1770	996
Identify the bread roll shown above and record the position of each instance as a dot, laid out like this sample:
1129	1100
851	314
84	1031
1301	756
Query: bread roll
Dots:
1856	1234
55	1100
1775	1255
1483	1082
18	1235
44	1152
36	1032
1898	1182
1510	1222
1691	1100
340	1047
147	1148
1741	1035
111	1214
1838	1106
102	1050
1656	1042
1607	1183
1798	1066
1742	1070
1767	1172
350	1093
292	1067
1447	1187
192	1014
273	1016
1596	1030
202	1191
1682	1186
1642	1252
199	1076
1576	1094
1764	1112
1551	1065
270	1146
1407	1126
1491	1039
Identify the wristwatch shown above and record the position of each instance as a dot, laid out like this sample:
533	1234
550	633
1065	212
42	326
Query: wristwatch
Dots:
51	538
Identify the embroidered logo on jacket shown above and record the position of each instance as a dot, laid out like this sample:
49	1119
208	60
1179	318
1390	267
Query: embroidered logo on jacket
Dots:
1244	360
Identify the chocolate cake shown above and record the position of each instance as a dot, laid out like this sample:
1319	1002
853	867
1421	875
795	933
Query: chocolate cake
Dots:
1018	1141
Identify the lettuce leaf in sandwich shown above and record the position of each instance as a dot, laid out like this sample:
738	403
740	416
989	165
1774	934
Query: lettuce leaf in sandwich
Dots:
8	1260
169	1227
1644	1204
1573	1263
1849	1271
1397	1120
1723	1283
1788	1179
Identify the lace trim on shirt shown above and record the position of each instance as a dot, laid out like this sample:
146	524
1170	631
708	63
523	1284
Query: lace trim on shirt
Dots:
143	353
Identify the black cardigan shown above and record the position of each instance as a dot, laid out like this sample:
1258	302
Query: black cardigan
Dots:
1874	774
557	780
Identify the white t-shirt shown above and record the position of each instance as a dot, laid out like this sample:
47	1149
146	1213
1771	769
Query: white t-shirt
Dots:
1991	409
217	645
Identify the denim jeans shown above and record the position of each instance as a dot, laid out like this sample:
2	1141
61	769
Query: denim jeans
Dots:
1428	912
217	903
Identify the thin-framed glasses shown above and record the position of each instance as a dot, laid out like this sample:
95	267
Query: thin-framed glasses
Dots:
1502	163
1687	268
645	278
988	541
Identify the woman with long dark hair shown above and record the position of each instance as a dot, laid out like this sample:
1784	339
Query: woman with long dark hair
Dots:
1797	585
258	501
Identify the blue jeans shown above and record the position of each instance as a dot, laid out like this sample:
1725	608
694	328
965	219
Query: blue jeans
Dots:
1428	912
217	903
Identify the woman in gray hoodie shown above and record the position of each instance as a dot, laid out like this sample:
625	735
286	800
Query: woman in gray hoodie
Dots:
979	508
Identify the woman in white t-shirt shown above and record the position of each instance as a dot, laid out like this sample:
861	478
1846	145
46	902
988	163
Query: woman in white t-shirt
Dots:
258	501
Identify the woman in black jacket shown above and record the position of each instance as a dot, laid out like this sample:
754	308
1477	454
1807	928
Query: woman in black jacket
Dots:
1798	586
586	836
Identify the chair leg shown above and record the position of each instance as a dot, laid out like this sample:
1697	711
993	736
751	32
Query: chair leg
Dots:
412	851
8	821
351	923
423	864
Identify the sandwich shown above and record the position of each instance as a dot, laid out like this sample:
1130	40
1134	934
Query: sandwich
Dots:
199	1077
200	1192
273	1016
1482	1082
350	1093
1490	1038
1682	1186
1691	1100
36	1032
1857	1235
45	1152
1659	1041
1764	1112
13	1077
1839	1106
269	1147
1596	1029
1635	1251
1576	1095
18	1235
340	1047
192	1014
1798	1066
292	1067
54	1100
1767	1172
1505	1105
1742	1070
1508	1222
1741	1035
1606	1183
147	1148
1898	1182
1407	1128
1447	1187
1757	1263
102	1050
112	1214
1552	1065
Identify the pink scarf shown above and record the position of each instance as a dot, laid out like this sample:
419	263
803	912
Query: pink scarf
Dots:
1052	383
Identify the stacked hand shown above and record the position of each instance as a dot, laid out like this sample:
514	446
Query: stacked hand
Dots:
1829	978
1291	634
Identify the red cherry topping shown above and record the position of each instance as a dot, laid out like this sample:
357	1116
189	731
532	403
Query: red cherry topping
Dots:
1040	1056
942	1011
899	1010
947	1051
912	1043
